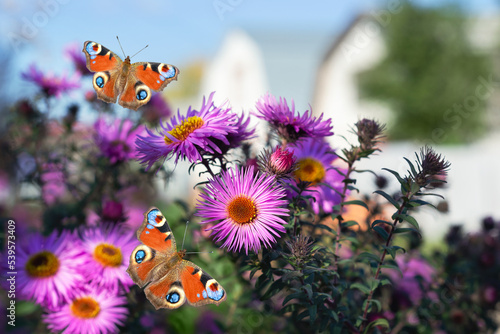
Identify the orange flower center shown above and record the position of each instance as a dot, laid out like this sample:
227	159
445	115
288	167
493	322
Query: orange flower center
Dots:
42	264
108	255
85	307
242	210
183	130
310	170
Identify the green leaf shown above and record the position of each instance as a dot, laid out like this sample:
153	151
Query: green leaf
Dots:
312	313
396	174
379	322
349	223
308	290
413	170
296	295
417	202
388	198
379	221
383	233
393	249
392	266
412	221
363	288
369	256
356	202
273	289
406	229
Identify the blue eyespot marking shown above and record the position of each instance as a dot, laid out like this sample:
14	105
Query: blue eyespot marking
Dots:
152	217
93	62
150	226
173	297
215	295
142	94
170	73
198	295
140	255
157	81
204	294
99	81
90	49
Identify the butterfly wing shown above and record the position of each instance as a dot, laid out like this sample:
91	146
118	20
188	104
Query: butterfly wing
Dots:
158	246
186	282
107	66
142	78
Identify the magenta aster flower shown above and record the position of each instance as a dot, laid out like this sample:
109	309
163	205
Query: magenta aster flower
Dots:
314	165
106	254
187	136
93	311
48	268
50	84
74	52
53	181
247	207
289	125
116	141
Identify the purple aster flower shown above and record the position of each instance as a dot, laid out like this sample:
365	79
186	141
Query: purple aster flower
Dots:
48	268
74	52
50	84
246	207
53	181
93	310
116	141
417	272
291	126
187	136
106	254
314	165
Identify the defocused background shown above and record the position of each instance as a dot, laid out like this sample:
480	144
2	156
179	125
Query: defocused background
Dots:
429	69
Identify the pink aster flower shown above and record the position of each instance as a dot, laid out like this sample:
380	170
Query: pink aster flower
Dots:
314	165
50	84
48	268
93	311
116	141
289	125
73	51
279	162
186	136
53	181
246	206
106	254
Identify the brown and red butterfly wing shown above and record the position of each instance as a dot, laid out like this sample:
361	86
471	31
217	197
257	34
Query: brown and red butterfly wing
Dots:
158	246
107	66
155	75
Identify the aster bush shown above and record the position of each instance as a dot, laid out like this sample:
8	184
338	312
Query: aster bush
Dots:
297	248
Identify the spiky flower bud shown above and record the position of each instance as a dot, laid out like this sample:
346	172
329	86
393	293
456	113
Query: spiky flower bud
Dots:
369	133
279	163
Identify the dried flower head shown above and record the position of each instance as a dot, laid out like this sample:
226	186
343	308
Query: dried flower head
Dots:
279	163
432	167
369	133
300	250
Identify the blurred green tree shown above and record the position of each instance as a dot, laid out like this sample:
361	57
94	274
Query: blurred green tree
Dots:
433	80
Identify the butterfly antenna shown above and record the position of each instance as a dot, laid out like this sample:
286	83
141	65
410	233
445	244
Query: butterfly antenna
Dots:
199	252
139	51
184	238
121	46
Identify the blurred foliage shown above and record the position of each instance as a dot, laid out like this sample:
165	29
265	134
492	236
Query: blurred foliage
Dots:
430	77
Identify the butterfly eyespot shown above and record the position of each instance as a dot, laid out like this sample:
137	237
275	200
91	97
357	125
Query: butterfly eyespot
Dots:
142	94
173	297
99	81
140	255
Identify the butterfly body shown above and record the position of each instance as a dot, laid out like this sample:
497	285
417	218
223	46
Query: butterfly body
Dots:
130	83
168	280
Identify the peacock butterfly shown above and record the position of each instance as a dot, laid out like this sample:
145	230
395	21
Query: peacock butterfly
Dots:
169	280
131	82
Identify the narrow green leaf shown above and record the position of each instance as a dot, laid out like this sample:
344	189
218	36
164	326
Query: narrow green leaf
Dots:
396	174
296	295
379	221
369	256
356	202
413	170
349	223
392	266
388	198
312	313
383	233
363	288
379	322
273	289
412	221
308	290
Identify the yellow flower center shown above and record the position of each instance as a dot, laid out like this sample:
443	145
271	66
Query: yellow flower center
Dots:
183	130
85	307
242	210
42	264
108	255
310	170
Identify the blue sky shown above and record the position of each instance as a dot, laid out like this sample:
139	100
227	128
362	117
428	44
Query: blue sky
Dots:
176	31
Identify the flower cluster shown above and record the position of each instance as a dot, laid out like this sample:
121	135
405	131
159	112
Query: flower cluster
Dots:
79	281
